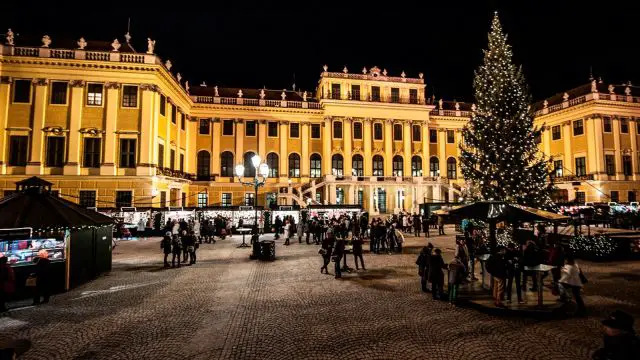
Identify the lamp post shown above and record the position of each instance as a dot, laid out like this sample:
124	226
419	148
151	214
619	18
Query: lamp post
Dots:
261	170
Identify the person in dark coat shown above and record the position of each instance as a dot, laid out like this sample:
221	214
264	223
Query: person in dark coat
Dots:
165	245
417	225
338	253
277	224
176	250
425	225
327	246
43	281
620	340
423	266
496	266
357	251
530	257
436	275
7	282
514	271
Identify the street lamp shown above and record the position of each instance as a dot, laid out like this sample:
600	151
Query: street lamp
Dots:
262	170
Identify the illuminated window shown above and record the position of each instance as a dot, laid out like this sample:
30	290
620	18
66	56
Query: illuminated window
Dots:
94	94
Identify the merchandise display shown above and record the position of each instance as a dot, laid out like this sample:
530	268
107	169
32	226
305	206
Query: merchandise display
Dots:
22	252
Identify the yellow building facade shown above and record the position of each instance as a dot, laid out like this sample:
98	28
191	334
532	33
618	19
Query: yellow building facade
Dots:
111	127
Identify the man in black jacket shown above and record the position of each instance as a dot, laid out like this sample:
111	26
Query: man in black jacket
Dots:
620	340
496	266
338	253
165	245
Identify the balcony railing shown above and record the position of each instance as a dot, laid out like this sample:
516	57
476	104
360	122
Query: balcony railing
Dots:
174	173
570	178
78	54
455	113
255	102
374	98
372	77
586	98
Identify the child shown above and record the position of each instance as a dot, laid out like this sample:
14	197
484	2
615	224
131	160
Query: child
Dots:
457	272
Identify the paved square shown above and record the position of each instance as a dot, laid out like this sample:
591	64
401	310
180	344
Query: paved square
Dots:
229	307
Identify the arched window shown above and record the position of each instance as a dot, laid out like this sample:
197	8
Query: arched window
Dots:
434	166
294	165
226	164
204	165
337	165
378	166
316	166
397	165
357	164
451	168
249	169
416	166
272	162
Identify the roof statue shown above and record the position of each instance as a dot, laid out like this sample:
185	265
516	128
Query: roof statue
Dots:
46	41
204	84
151	45
240	93
440	102
594	86
473	107
215	90
82	43
611	89
304	96
457	106
127	37
384	72
186	86
565	97
262	94
168	64
345	70
179	77
403	75
545	104
9	37
283	95
116	45
420	75
364	70
375	71
627	91
325	68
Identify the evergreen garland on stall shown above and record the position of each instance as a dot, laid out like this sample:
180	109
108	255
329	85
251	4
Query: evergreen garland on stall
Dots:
499	154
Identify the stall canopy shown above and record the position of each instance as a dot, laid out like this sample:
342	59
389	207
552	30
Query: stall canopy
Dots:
33	206
501	211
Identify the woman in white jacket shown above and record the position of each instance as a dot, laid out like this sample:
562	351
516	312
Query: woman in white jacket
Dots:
570	281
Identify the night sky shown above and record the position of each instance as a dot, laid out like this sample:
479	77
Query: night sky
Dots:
252	45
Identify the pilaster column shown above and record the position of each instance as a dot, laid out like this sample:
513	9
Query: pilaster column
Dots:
633	131
215	147
599	147
178	140
72	166
35	164
326	146
108	167
368	139
591	150
616	145
239	138
350	195
388	147
262	139
348	145
305	161
442	152
5	91
147	110
167	135
426	150
407	140
369	193
188	149
566	141
546	141
284	156
332	194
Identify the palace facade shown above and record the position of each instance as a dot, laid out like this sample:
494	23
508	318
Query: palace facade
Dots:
112	127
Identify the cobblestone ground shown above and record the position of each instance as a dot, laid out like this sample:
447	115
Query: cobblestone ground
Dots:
229	307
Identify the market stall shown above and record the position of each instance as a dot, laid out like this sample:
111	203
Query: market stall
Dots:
331	211
34	224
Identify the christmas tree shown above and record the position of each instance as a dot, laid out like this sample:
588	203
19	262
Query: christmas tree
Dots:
500	156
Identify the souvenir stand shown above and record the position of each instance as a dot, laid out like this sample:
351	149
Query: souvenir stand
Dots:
160	216
283	211
33	224
235	213
130	218
331	211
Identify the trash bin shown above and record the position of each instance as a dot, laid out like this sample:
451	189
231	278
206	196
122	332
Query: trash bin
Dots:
268	250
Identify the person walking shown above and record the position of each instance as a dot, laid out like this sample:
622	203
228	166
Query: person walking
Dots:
530	259
457	271
471	249
307	230
300	231
514	271
165	245
399	241
43	281
287	232
357	251
436	276
7	282
571	279
277	225
261	225
441	225
423	266
176	251
193	248
417	225
197	231
497	268
338	253
326	251
185	248
620	340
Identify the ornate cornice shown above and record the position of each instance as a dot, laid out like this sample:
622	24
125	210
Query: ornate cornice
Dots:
568	122
112	85
91	131
150	87
262	121
283	122
5	80
389	121
56	130
40	82
76	83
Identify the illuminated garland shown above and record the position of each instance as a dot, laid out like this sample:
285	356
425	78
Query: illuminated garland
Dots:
599	246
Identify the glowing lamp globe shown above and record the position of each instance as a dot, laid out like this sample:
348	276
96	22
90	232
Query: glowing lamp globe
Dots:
240	170
255	160
263	170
